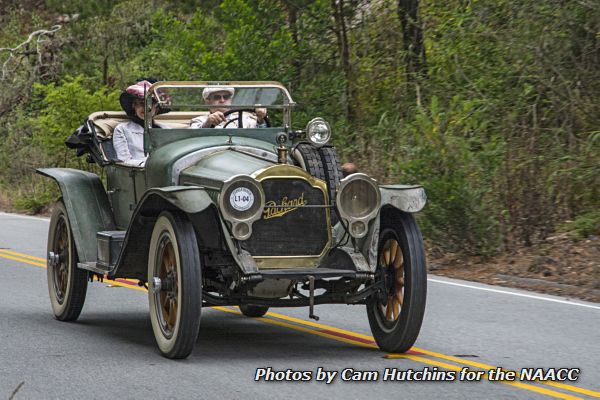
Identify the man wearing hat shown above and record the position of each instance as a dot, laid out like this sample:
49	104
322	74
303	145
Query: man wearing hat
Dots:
218	98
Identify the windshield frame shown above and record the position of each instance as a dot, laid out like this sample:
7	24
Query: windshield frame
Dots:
153	93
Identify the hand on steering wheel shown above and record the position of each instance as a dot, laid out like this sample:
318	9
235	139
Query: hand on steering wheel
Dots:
240	118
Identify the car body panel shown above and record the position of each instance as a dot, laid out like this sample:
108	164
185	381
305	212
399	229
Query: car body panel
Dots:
408	198
133	259
126	187
87	205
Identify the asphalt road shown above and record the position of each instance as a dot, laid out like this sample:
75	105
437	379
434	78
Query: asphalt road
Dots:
110	351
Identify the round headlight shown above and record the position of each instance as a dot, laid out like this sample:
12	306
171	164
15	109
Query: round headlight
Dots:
318	132
358	200
241	200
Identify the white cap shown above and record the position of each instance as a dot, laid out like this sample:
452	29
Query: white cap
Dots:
210	90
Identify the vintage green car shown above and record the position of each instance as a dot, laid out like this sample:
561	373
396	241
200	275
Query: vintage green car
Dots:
254	217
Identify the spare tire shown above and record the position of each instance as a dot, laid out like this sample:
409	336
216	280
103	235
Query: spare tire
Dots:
324	164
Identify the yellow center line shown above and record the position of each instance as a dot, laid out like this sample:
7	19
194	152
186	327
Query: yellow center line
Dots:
433	353
300	328
24	257
110	281
22	260
320	326
515	384
412	357
490	367
126	285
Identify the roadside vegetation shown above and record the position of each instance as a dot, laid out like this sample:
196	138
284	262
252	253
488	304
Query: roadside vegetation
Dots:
492	105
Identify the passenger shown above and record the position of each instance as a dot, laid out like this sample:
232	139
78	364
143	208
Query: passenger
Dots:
128	137
217	97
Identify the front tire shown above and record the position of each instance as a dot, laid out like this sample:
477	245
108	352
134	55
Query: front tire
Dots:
67	284
396	315
175	307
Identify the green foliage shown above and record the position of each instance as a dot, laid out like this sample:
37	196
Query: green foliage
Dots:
447	157
501	127
34	202
584	225
63	108
240	41
83	7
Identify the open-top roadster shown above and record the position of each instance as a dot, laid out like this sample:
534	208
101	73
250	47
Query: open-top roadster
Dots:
251	217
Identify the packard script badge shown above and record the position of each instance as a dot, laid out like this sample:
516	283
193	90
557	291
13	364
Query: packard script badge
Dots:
274	210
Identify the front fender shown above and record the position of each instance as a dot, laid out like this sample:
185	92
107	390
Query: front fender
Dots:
133	259
394	199
407	198
87	206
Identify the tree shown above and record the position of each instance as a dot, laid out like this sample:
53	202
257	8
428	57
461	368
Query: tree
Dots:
412	34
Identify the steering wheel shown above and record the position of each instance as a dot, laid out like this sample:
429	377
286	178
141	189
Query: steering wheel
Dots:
239	119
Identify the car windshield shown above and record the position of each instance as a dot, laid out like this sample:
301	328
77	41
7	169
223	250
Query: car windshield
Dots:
202	96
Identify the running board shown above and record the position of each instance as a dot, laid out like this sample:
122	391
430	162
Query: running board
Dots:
93	267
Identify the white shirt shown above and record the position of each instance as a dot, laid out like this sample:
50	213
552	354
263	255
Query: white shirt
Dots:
128	141
248	121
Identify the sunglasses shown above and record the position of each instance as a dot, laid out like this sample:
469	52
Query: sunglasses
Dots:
219	97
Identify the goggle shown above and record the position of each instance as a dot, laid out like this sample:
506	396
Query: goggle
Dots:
219	97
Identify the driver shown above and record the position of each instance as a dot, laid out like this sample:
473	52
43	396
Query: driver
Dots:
218	98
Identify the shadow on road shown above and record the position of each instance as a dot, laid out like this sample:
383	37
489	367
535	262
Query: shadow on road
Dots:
222	336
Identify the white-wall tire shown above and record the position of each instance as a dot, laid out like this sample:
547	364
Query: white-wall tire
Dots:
175	309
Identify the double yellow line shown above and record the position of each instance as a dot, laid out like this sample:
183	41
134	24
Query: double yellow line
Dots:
414	354
31	260
419	355
11	255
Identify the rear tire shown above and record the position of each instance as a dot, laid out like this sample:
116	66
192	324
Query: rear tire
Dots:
253	311
175	308
67	284
396	315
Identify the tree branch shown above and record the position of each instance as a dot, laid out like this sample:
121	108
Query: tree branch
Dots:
38	38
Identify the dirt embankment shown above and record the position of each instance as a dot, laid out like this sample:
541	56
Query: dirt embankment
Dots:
558	266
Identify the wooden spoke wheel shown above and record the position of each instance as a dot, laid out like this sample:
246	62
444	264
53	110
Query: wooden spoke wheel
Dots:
67	284
396	312
176	302
391	261
167	297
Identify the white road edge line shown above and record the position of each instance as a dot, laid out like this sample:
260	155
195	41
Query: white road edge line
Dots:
531	296
24	216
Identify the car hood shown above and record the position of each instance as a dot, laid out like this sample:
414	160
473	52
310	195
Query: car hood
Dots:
214	169
215	158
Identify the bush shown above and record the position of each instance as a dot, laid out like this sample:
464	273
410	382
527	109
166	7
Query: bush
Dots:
443	153
63	108
584	225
